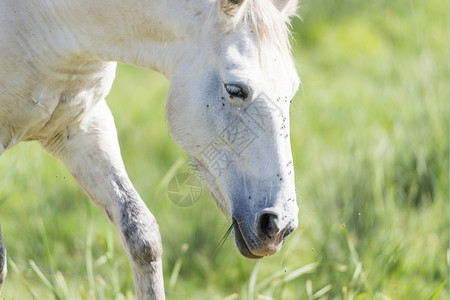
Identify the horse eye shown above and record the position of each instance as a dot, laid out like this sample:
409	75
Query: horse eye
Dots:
236	91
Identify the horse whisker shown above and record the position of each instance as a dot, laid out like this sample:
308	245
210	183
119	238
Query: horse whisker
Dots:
224	238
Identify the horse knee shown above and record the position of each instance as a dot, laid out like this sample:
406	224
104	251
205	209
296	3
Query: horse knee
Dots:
2	261
142	240
144	252
2	265
143	243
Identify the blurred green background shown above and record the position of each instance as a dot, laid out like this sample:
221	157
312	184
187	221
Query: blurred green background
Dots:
370	138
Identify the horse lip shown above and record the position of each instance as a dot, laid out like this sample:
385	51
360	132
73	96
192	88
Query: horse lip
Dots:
241	243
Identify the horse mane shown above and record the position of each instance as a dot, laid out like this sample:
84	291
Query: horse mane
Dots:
271	26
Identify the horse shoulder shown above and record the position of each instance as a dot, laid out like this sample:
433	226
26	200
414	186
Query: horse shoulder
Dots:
38	101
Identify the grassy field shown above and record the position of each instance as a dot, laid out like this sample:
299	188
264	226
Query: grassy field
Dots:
370	138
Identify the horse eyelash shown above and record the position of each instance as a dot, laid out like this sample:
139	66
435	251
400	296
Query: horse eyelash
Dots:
236	90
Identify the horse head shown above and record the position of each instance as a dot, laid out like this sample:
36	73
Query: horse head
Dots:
228	108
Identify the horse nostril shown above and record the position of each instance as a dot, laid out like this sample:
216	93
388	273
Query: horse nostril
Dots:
268	225
288	230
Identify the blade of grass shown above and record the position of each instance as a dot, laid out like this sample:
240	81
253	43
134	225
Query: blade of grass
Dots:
170	174
309	290
177	267
252	282
300	271
22	278
62	284
438	290
322	291
44	279
277	278
88	256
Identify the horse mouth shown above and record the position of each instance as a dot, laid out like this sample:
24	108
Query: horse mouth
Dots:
241	244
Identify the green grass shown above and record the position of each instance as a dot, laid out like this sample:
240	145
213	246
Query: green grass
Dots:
370	142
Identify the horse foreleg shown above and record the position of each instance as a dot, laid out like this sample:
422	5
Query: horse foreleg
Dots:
2	261
90	151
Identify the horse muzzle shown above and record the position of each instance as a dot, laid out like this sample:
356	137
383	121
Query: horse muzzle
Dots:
265	235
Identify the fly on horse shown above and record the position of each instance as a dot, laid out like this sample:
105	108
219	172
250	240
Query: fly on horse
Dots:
232	78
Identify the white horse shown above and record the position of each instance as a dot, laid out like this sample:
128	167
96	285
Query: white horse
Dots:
232	78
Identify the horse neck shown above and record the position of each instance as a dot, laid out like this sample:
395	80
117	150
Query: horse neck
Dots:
153	35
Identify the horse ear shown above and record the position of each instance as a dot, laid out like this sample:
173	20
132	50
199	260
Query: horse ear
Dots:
287	7
231	7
